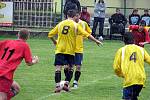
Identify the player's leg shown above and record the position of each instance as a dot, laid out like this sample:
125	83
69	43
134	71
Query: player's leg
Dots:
58	78
101	27
127	91
3	96
59	58
78	63
132	92
95	23
15	89
5	86
136	91
69	68
68	71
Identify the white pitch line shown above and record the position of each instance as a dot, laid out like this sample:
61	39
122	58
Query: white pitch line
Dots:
92	82
44	97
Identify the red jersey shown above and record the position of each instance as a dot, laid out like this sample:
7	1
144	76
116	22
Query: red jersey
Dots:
11	54
139	36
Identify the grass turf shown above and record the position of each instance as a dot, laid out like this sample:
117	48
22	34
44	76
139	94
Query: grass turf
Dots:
97	81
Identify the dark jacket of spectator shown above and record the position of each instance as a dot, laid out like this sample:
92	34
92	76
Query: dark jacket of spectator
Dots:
85	15
117	23
118	18
134	18
71	5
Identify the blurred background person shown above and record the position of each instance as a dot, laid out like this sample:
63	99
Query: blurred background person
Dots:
140	33
117	23
134	18
146	17
85	15
99	17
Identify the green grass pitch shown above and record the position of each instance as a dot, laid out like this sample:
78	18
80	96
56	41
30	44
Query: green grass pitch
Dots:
97	81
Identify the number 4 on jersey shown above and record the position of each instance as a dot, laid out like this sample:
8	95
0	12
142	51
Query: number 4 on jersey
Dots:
133	57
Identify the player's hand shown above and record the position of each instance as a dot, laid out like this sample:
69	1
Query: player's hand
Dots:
143	43
55	43
15	86
99	43
35	59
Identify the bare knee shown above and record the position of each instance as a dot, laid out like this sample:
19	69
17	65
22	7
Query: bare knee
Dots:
58	68
3	96
78	68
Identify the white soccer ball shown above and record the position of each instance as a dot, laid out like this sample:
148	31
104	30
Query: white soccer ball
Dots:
62	84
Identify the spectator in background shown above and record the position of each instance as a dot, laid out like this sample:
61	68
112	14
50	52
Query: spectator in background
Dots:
71	5
99	17
146	17
140	33
85	15
117	23
134	18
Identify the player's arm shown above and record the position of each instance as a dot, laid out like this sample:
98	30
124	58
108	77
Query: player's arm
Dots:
88	29
147	38
133	27
52	33
81	31
28	57
117	64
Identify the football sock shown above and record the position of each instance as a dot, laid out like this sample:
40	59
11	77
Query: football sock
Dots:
12	93
77	75
66	73
70	75
57	76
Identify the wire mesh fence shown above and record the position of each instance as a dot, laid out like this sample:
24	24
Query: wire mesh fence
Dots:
33	13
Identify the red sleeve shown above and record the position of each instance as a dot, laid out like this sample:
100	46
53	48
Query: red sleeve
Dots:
133	27
27	54
147	39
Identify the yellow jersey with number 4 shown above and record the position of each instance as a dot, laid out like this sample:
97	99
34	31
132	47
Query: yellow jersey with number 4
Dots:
79	38
129	64
67	31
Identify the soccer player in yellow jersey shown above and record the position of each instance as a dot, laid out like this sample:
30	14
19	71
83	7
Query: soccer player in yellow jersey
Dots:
129	64
79	49
67	31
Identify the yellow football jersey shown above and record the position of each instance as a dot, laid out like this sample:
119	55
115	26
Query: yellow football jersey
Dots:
147	28
129	64
67	31
79	38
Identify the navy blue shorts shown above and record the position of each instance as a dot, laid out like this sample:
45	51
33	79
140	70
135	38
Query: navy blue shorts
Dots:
132	92
64	59
78	58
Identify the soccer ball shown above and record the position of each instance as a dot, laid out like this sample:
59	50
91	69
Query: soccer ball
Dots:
62	84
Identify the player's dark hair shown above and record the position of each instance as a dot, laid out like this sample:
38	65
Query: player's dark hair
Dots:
71	13
128	38
101	1
135	10
142	23
24	34
146	10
